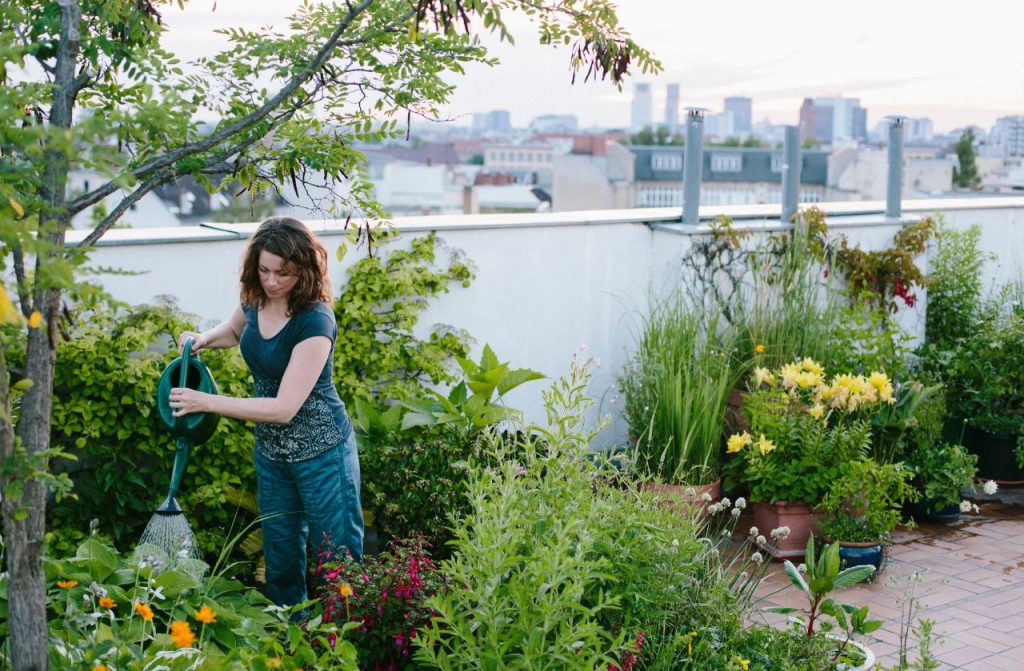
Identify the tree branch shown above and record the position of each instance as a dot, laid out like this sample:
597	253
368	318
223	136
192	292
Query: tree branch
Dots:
232	129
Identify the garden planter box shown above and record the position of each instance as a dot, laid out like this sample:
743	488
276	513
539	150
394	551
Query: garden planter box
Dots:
996	458
801	519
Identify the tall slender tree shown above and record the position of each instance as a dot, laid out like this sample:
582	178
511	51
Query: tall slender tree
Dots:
86	85
965	175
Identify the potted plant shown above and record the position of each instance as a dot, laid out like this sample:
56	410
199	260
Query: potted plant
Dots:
675	389
804	430
911	431
985	373
819	575
862	507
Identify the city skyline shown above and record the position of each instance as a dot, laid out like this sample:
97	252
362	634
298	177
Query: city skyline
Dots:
895	57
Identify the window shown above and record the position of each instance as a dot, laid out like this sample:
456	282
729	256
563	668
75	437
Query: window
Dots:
726	162
665	161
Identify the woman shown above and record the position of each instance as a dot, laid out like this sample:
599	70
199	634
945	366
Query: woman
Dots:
307	467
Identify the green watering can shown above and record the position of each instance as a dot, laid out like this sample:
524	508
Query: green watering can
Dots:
194	429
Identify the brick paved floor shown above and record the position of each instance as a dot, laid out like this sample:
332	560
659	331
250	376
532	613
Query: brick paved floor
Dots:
971	585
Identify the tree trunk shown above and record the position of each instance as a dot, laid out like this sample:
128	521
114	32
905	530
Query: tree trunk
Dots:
27	585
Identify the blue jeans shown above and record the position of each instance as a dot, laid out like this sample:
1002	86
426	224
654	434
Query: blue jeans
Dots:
314	501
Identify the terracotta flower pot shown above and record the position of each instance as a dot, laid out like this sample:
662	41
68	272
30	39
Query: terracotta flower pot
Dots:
686	496
801	519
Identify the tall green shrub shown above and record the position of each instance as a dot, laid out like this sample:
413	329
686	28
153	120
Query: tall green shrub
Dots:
955	293
377	354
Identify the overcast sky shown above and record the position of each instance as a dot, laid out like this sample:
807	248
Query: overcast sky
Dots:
955	62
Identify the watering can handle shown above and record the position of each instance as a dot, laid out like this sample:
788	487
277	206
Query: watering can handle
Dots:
185	352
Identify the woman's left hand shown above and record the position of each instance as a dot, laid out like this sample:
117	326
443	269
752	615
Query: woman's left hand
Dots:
184	401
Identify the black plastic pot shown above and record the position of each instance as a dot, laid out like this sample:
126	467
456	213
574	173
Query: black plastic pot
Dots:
996	456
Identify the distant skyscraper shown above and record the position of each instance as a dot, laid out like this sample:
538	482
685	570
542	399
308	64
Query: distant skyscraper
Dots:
860	123
807	122
918	130
672	108
1009	133
497	121
641	112
742	113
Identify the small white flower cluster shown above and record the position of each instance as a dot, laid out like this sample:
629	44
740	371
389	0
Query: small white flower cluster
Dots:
990	487
968	507
757	558
725	504
780	534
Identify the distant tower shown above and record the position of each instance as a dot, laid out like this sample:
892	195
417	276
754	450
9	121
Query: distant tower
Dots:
641	112
742	113
672	108
808	121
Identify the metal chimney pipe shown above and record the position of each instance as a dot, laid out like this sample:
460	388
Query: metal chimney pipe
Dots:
791	174
894	187
694	159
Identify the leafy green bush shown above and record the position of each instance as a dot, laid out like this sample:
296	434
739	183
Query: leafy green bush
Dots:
560	562
104	412
378	356
955	286
109	611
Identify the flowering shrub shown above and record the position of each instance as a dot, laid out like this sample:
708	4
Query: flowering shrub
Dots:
385	599
804	429
112	612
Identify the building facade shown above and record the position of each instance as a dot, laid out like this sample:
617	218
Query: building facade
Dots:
640	116
741	109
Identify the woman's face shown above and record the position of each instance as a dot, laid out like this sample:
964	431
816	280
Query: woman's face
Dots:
276	277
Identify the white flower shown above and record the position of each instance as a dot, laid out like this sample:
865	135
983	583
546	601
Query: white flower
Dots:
760	540
802	568
714	508
757	558
780	533
736	512
690	492
705	497
990	487
753	531
726	502
675	545
965	506
741	503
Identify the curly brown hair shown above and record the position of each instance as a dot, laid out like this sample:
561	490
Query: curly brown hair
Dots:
303	254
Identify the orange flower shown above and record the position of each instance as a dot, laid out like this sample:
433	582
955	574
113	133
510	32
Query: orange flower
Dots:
100	667
67	584
144	611
345	590
108	603
206	615
182	635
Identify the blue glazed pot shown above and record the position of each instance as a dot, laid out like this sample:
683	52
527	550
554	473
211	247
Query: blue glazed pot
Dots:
861	554
929	510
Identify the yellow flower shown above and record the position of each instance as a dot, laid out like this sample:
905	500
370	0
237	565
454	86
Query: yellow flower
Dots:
206	615
689	643
743	663
811	366
345	590
764	445
8	313
108	603
182	635
273	663
144	611
67	584
759	349
880	382
738	441
816	411
763	376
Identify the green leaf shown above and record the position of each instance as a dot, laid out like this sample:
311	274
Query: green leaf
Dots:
852	576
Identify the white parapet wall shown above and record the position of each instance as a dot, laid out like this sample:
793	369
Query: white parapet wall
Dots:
545	283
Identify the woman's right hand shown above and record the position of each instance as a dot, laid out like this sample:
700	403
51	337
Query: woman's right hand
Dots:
198	342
